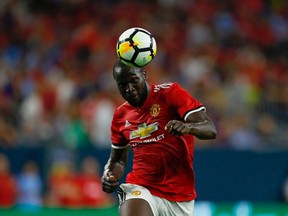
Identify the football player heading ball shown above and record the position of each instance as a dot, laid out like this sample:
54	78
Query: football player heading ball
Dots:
159	123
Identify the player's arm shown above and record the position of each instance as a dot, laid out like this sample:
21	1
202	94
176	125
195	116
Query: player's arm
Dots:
197	124
114	169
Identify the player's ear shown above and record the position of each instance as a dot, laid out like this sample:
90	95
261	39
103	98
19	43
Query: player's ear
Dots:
145	74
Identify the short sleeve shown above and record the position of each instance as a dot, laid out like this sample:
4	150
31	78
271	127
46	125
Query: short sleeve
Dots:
117	138
182	101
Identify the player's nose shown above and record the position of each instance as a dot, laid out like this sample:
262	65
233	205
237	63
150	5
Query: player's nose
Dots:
129	87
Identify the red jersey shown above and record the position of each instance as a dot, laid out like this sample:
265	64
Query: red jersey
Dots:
8	191
163	163
91	190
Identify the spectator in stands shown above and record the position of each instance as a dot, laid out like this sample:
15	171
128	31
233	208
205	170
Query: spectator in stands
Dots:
29	186
8	186
63	187
90	184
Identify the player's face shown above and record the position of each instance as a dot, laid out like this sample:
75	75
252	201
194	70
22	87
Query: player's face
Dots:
132	85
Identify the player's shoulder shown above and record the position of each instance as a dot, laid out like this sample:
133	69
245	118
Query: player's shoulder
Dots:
165	87
121	109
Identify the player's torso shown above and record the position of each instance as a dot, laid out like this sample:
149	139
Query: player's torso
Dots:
157	154
146	125
161	161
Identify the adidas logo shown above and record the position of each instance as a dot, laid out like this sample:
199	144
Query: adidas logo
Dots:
127	123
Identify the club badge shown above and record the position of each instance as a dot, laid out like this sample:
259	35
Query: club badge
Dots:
154	110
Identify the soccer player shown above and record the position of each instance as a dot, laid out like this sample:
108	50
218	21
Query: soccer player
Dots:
159	123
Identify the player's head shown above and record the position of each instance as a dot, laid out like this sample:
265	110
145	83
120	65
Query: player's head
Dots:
131	82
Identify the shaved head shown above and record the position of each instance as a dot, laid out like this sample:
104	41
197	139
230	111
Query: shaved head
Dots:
120	67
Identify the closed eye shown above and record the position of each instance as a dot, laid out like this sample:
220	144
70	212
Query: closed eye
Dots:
135	80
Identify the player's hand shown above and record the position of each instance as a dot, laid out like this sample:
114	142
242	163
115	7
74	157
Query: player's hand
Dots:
109	182
176	128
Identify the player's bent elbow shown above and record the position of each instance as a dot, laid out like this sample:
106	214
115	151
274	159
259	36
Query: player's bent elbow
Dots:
211	134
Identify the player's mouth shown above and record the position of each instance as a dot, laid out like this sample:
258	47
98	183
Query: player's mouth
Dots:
134	96
134	99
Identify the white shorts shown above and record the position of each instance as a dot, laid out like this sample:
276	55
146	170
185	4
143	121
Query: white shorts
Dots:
158	205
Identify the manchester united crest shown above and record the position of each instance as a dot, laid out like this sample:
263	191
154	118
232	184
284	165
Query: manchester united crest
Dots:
154	110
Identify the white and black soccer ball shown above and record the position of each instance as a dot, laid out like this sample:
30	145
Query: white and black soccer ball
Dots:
136	47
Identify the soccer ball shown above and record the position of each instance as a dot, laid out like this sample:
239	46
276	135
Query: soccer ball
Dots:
136	47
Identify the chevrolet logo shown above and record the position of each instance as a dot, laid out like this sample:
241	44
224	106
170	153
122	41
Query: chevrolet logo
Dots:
144	131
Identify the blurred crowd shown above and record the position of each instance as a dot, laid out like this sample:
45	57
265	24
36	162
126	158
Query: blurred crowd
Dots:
65	187
56	58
